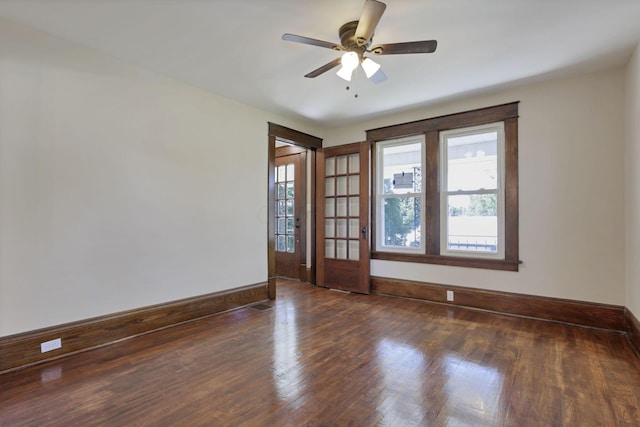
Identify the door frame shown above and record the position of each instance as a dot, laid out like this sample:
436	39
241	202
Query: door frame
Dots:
312	143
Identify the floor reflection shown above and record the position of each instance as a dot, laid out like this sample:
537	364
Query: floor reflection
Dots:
51	373
474	391
450	391
403	373
288	376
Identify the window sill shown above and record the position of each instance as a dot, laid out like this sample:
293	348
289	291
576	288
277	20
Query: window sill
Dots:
491	264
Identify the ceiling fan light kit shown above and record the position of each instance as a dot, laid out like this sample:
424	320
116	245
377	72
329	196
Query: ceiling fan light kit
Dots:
349	63
355	39
370	67
345	73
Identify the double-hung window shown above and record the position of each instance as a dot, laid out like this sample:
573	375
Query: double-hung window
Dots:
472	191
446	190
399	200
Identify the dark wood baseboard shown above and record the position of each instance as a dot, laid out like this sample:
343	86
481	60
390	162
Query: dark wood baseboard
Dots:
633	331
581	313
23	349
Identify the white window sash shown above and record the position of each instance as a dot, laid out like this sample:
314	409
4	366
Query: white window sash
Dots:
381	197
445	194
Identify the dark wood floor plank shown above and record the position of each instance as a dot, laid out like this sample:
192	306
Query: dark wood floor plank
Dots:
320	357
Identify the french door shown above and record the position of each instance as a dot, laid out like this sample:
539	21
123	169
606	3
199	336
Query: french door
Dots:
290	218
342	205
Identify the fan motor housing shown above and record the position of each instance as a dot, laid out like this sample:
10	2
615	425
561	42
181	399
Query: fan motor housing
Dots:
348	38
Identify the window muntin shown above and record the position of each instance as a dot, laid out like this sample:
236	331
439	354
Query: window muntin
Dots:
399	198
472	191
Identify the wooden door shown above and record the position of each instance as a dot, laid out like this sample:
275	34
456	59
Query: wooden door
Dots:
342	206
290	218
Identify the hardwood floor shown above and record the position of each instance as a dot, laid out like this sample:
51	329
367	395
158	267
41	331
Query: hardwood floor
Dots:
320	357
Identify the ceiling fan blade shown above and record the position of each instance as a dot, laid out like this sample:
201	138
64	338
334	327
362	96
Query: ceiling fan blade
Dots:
314	42
371	14
324	68
426	46
378	77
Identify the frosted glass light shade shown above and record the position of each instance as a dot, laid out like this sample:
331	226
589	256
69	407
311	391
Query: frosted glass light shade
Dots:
350	60
345	73
370	67
349	63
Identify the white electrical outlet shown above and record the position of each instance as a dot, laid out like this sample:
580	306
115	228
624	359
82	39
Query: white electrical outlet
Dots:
449	295
50	345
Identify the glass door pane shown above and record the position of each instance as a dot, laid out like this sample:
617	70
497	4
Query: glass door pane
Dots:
342	213
285	208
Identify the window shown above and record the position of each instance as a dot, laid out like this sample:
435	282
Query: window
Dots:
446	190
472	192
399	195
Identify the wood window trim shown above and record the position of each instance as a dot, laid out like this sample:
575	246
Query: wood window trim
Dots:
431	128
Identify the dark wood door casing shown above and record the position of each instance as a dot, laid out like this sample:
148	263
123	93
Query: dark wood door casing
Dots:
311	143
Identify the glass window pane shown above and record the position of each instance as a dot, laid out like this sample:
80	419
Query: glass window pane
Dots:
290	207
330	187
290	226
472	223
291	244
282	176
329	248
281	208
341	165
341	187
401	226
329	228
354	184
341	206
291	172
341	249
290	190
329	207
330	166
472	162
341	228
354	250
354	163
281	246
354	206
281	226
402	168
354	228
281	194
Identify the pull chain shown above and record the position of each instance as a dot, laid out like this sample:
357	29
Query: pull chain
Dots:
354	79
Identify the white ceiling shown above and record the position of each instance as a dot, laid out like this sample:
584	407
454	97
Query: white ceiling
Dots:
233	47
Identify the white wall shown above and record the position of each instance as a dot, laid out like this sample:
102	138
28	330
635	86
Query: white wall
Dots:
571	148
120	188
632	179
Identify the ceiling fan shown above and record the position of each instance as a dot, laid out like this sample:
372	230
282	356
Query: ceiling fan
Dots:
356	39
